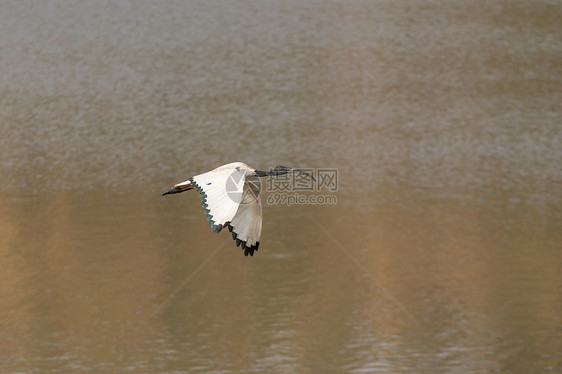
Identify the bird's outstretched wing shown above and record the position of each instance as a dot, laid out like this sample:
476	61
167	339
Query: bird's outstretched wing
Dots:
246	226
221	193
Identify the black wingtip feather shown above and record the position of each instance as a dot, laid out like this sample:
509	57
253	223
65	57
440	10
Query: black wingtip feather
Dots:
248	249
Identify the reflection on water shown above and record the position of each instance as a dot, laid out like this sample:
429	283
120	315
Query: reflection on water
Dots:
443	120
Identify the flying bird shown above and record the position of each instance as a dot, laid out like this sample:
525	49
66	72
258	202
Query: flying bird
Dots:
230	198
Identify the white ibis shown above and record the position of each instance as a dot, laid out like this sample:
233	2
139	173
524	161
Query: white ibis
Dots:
230	198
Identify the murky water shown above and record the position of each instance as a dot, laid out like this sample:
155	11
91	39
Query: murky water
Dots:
443	119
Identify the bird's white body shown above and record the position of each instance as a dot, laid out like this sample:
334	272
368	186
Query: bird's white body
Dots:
230	198
221	191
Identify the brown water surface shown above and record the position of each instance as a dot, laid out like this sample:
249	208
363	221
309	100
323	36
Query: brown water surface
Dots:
442	118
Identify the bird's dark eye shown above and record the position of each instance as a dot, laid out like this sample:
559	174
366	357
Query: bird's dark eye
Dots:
208	183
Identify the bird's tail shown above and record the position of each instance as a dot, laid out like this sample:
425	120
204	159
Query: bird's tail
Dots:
180	187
